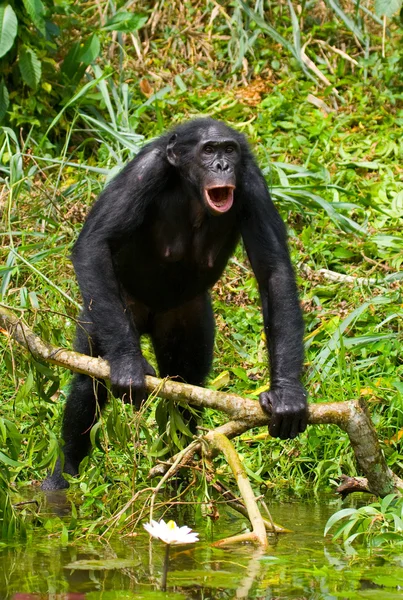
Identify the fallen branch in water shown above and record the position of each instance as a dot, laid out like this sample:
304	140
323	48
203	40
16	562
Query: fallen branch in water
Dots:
351	416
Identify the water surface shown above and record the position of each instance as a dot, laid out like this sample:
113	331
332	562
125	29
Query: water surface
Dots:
298	565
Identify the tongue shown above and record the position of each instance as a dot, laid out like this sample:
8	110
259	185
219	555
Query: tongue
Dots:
220	198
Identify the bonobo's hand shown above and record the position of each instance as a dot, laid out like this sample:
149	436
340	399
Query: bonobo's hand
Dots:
286	403
128	373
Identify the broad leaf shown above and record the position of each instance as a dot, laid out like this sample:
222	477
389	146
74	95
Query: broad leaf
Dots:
387	7
30	67
71	63
36	11
340	514
80	56
8	28
126	22
4	100
89	52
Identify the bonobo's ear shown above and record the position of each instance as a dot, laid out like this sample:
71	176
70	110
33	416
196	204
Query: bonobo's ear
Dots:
171	156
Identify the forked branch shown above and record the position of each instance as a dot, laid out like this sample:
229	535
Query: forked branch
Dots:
352	416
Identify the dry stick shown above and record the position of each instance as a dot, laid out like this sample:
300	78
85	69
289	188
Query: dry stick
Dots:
171	471
351	416
220	442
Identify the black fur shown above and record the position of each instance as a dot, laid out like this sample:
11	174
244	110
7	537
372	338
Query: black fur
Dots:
153	244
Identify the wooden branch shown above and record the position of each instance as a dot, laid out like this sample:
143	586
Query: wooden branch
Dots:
338	277
352	484
239	506
351	416
343	278
218	441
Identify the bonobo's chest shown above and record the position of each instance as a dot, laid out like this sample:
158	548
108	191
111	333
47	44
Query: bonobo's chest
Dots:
175	255
193	237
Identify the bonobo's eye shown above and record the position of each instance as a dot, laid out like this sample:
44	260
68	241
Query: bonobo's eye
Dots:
208	149
229	149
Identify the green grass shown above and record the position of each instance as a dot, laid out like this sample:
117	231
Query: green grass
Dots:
337	181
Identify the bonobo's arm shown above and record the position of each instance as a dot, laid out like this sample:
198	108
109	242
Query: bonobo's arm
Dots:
116	215
264	236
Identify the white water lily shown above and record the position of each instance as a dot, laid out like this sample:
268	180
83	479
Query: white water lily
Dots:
170	533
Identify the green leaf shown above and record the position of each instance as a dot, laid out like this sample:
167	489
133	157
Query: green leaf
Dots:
341	514
347	20
36	11
9	461
273	33
387	501
126	22
4	100
8	28
64	536
387	7
397	205
30	67
241	373
180	83
81	92
89	52
95	436
52	453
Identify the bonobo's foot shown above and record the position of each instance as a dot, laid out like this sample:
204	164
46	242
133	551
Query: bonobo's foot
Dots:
56	481
287	405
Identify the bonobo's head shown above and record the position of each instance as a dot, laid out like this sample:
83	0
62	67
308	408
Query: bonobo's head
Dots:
207	155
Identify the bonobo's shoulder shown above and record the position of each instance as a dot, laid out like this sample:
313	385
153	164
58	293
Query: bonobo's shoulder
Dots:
151	158
149	155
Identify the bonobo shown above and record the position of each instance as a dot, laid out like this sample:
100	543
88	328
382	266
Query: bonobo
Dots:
155	242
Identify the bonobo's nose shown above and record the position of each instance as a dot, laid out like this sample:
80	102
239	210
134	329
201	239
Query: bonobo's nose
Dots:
221	166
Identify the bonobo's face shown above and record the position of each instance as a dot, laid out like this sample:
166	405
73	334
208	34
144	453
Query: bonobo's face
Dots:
208	159
217	157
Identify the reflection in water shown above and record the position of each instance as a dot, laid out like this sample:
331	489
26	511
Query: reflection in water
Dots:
55	502
300	565
67	596
254	572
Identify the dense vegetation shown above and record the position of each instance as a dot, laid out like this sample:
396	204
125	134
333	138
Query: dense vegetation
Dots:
318	92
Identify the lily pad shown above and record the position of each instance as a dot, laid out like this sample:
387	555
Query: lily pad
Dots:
101	564
134	595
211	579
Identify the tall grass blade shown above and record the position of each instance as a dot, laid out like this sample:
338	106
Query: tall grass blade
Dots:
346	19
277	37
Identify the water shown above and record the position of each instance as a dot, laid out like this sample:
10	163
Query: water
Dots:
299	565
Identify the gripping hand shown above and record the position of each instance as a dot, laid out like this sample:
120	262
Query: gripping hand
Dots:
287	406
128	373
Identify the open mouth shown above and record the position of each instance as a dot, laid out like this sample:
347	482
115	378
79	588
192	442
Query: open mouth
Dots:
220	198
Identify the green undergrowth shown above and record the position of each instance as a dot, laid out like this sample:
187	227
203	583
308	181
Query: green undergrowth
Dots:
336	177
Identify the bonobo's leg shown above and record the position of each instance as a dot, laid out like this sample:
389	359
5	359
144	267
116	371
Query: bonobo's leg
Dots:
183	340
86	398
